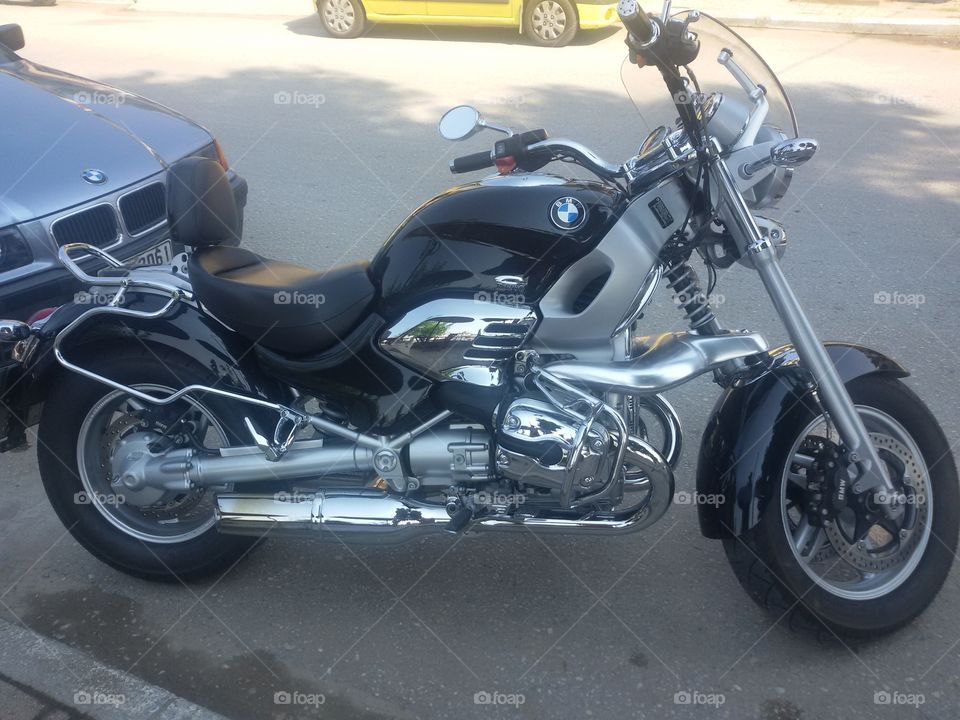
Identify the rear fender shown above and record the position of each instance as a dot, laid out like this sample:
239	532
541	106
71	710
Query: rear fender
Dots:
753	426
185	329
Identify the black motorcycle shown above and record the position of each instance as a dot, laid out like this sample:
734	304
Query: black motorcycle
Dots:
485	371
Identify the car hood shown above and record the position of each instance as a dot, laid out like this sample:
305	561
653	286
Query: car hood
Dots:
58	125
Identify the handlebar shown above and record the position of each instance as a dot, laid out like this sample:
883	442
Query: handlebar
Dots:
637	22
561	148
532	150
475	161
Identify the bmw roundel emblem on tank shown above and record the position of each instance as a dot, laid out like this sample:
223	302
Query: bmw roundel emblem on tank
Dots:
568	213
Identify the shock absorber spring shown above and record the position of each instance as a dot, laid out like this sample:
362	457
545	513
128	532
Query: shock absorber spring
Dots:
688	295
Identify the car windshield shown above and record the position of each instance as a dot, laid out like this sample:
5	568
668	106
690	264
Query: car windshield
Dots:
656	107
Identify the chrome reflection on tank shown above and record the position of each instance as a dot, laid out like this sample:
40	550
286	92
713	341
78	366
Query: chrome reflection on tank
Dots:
460	339
516	179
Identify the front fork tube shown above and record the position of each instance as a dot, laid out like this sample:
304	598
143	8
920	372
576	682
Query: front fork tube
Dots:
863	454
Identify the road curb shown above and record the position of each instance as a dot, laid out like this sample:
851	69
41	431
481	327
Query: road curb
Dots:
926	27
74	679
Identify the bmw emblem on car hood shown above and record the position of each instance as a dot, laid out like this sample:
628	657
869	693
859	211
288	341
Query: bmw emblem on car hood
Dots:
94	177
568	213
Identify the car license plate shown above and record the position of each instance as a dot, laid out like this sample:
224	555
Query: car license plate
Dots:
160	254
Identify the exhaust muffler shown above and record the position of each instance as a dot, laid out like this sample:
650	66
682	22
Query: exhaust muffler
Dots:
358	515
369	515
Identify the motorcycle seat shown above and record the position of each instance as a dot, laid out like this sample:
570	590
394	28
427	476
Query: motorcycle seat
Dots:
287	308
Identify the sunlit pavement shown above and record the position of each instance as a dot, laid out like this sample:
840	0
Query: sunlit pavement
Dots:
338	142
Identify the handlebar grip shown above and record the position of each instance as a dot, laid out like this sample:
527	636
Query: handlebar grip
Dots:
635	20
469	163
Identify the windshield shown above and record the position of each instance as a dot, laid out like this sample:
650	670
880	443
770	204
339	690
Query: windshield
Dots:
656	107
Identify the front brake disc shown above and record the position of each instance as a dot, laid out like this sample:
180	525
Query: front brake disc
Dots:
879	549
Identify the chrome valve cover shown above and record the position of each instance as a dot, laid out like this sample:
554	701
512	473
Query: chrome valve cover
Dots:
543	446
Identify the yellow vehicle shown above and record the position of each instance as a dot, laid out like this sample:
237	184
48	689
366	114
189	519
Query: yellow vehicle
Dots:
546	22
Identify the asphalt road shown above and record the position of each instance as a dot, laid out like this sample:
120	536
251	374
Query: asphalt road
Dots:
577	627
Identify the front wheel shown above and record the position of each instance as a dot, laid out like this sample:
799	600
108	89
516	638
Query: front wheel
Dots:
823	554
342	18
551	23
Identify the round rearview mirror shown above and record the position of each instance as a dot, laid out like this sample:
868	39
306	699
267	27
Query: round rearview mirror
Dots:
459	123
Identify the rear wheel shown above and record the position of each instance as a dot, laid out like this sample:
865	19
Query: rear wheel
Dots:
552	23
831	558
342	18
86	431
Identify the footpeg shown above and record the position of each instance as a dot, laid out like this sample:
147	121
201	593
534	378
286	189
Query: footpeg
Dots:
287	427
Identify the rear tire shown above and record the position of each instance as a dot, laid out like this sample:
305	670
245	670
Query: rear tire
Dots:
550	23
342	18
70	401
767	567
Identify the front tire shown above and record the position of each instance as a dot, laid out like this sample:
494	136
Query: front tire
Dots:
836	578
550	23
173	537
342	18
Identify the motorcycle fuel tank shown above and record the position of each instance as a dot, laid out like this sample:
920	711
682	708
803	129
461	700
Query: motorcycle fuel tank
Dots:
461	278
502	239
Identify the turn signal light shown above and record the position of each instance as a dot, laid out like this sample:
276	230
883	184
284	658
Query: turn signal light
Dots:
506	165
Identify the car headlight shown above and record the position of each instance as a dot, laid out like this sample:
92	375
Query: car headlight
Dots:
14	251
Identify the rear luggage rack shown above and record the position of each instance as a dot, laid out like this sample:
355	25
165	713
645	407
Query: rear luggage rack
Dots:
132	279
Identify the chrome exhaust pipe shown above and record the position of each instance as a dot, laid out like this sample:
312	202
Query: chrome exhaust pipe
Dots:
368	515
359	515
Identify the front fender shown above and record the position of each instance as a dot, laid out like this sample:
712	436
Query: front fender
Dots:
753	426
186	329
